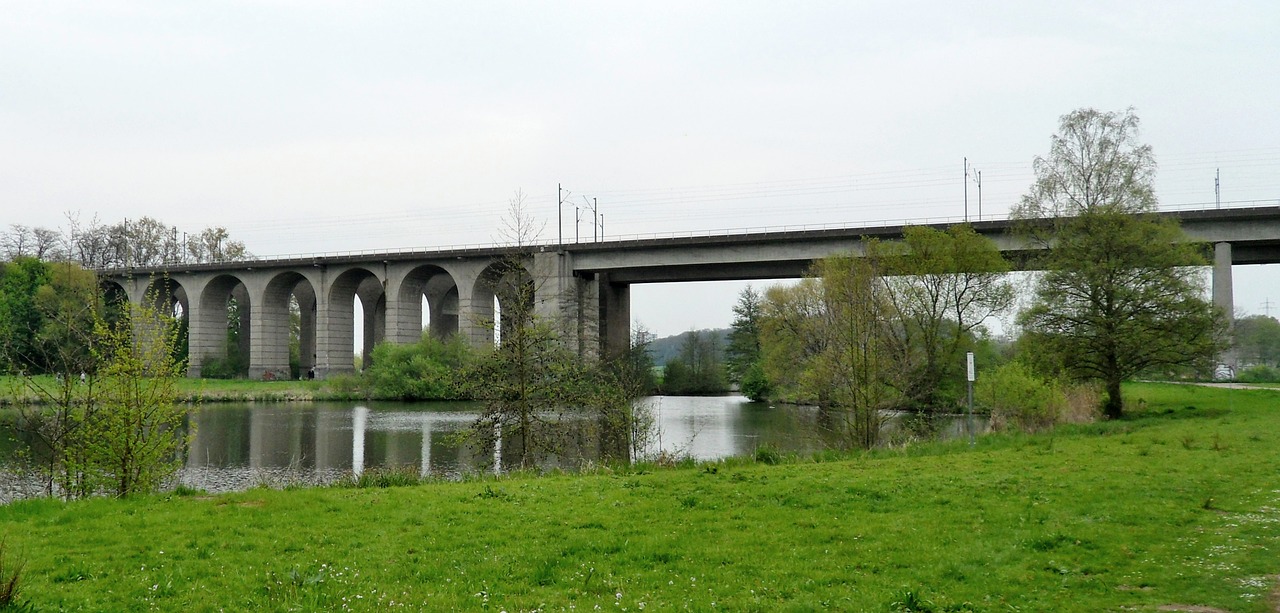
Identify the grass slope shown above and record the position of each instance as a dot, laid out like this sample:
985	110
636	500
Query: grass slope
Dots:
1177	508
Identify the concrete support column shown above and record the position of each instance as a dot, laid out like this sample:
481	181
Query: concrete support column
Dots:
375	326
615	317
306	330
333	332
269	346
244	306
206	327
443	302
1223	296
475	310
572	304
403	308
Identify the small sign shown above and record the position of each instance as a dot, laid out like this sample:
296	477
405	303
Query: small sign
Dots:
969	356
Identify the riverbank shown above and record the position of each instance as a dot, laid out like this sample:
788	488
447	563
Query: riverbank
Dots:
13	392
1176	508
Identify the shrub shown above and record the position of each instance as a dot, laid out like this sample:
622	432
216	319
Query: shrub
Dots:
1260	373
1019	398
755	385
426	370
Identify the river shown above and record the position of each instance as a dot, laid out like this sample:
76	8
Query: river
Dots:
239	446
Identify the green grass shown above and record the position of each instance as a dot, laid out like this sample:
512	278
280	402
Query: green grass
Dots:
1177	506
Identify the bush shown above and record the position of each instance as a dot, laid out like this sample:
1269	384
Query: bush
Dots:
755	385
1019	398
1260	373
426	370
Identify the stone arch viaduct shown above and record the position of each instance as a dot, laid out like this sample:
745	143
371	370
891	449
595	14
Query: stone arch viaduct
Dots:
584	287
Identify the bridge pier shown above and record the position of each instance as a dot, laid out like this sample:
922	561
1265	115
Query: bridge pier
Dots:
1223	295
615	317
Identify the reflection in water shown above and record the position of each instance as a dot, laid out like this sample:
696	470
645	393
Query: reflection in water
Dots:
236	447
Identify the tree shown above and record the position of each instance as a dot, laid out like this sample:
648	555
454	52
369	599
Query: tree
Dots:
634	369
830	339
697	369
134	438
941	285
744	336
20	320
107	421
742	355
531	383
1119	294
68	310
1258	340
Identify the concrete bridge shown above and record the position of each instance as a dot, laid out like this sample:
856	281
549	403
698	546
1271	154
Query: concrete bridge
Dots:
583	287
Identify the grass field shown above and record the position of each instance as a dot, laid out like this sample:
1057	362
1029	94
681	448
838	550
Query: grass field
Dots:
1174	509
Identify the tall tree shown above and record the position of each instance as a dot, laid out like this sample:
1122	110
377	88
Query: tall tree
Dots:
941	285
698	368
742	355
1257	339
20	319
830	339
1119	293
531	383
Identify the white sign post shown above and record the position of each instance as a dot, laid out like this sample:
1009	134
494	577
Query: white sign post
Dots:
969	359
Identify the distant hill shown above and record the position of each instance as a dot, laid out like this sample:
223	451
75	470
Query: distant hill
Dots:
668	347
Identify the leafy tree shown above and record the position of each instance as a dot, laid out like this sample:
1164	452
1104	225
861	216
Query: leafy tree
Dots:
429	369
941	285
791	335
742	355
69	311
698	369
743	349
134	437
107	422
1257	340
635	369
531	383
830	339
1119	294
19	318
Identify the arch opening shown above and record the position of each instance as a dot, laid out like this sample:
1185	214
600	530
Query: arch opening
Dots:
361	287
221	333
428	302
287	348
503	298
167	297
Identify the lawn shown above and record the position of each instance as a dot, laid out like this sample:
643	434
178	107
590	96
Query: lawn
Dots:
1178	507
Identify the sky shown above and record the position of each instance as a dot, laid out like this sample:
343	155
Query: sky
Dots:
324	126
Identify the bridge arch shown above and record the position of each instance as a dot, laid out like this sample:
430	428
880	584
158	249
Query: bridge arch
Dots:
115	298
433	285
222	315
502	290
286	294
166	296
354	283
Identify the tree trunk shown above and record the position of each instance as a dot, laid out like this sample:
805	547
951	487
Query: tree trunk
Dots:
1114	404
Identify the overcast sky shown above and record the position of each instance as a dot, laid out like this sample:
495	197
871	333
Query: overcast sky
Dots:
315	126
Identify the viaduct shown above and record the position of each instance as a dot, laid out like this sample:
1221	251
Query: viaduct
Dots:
583	286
